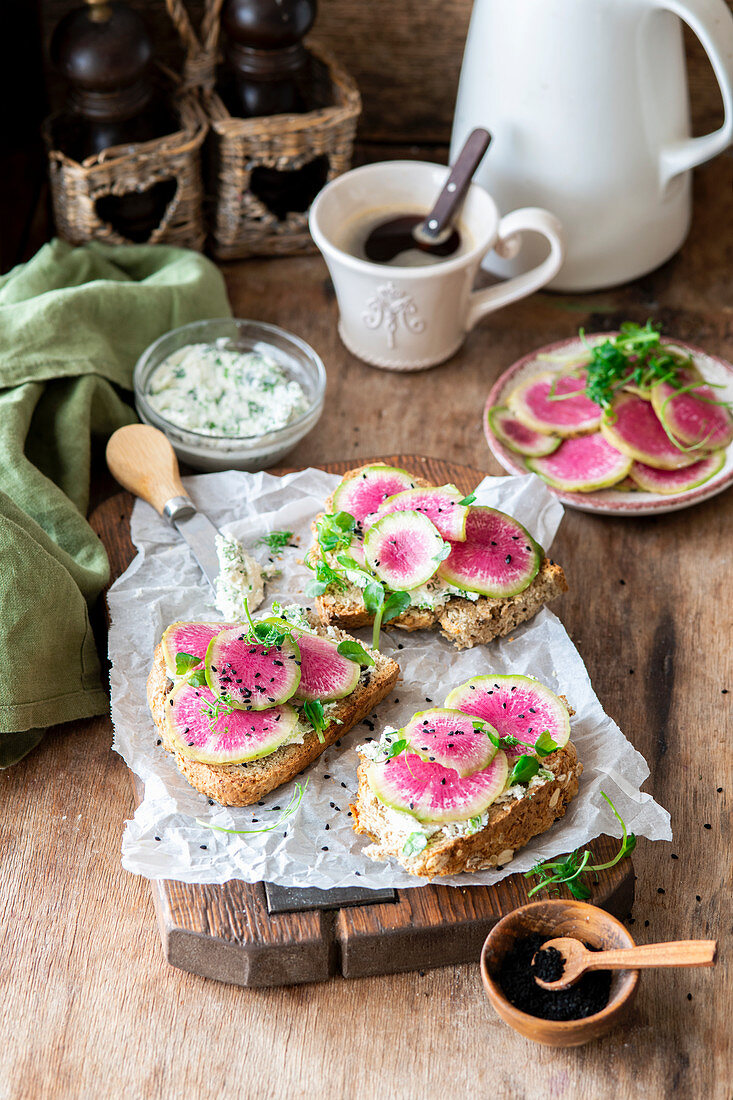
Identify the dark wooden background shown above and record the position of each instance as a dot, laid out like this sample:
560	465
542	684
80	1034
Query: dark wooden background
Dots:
405	55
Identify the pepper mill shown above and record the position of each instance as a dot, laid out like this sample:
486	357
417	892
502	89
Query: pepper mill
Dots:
104	51
266	66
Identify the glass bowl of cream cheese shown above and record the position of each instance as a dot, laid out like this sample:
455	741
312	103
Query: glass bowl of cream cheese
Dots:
230	394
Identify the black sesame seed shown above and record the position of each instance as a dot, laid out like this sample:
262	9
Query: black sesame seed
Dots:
706	826
157	838
158	742
660	890
646	923
202	847
326	826
324	848
697	897
719	789
689	996
675	856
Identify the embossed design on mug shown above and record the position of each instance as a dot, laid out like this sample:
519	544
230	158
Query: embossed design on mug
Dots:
388	307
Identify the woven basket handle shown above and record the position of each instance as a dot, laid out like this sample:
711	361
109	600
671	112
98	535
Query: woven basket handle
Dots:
199	69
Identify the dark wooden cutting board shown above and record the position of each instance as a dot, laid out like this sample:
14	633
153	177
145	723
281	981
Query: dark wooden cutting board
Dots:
226	932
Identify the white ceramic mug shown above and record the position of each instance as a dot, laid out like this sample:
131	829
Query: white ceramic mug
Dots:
409	318
587	104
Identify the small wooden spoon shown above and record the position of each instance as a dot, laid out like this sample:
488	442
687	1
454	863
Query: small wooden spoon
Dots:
579	960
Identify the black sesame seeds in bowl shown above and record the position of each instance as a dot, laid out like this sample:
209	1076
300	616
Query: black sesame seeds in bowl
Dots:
560	1018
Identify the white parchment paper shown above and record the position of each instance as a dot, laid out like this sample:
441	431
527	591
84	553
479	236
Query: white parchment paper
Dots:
317	846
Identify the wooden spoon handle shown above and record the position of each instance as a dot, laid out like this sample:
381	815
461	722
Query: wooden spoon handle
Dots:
457	183
679	953
143	461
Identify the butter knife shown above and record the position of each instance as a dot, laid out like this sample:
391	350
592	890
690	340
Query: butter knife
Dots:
142	459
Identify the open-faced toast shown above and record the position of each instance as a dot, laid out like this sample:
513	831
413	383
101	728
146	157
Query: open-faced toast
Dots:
245	783
465	619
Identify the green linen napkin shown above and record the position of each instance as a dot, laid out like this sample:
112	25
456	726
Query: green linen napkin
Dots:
73	321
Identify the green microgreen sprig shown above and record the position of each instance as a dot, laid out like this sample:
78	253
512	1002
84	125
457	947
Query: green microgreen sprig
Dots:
352	651
276	540
638	357
291	808
571	870
313	710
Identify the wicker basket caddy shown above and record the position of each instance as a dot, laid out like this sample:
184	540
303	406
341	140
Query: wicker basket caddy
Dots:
241	224
79	190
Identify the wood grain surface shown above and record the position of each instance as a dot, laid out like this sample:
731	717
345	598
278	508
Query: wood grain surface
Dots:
89	1006
224	931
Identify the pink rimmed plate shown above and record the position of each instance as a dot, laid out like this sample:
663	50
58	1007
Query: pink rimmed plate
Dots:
611	501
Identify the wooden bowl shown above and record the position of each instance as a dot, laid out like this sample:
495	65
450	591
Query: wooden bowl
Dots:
559	918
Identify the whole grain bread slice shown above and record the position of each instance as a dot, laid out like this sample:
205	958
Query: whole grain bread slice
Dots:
243	784
511	825
464	622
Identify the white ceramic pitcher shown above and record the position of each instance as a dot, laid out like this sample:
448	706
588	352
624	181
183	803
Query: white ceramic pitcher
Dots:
588	107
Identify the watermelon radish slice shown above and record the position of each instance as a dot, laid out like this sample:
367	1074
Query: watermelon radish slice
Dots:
448	737
518	437
190	638
582	465
250	676
677	481
442	506
498	558
362	495
211	734
516	706
431	792
324	673
533	405
637	432
403	549
693	417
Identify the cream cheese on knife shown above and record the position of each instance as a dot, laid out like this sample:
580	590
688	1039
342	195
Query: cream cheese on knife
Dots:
216	390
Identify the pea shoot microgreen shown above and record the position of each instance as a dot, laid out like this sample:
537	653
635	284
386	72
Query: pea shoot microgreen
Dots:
313	710
638	357
414	844
570	871
543	746
270	634
276	540
335	531
292	806
185	662
352	651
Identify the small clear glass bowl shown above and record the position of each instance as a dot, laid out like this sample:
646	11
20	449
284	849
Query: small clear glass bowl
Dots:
219	452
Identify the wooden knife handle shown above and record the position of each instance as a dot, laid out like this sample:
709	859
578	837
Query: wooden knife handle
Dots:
143	461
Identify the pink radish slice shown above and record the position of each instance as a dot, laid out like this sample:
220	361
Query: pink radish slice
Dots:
676	481
693	417
362	495
191	638
252	676
431	792
441	505
201	731
448	737
403	549
532	403
635	430
516	706
518	437
498	558
582	465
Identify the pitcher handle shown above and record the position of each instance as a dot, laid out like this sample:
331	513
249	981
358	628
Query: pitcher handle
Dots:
507	245
712	22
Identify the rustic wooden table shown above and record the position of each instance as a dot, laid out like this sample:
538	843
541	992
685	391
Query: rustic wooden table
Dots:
91	1009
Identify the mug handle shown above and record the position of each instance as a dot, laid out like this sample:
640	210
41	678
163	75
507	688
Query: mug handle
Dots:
507	245
712	22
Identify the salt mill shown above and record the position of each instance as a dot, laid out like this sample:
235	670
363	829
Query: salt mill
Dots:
104	51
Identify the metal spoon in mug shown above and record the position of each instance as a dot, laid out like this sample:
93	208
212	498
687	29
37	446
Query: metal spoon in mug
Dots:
435	232
578	960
